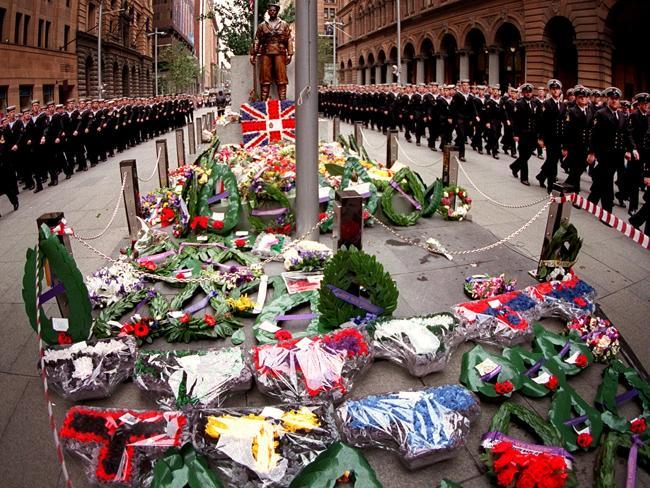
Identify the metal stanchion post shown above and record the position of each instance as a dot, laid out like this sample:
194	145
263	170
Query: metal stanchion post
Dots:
199	130
556	213
391	147
191	135
449	169
129	170
180	147
358	134
336	125
348	219
163	162
53	219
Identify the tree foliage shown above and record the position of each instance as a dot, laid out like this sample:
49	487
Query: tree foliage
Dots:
180	68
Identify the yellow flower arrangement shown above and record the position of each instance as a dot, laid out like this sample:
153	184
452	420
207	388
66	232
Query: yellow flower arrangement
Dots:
241	304
303	419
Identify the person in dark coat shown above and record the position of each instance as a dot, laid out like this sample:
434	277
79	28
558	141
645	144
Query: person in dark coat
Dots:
551	133
611	144
633	176
575	147
464	114
524	126
8	149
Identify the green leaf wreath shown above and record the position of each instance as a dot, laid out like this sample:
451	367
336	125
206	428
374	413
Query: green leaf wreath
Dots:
63	266
607	392
613	444
471	378
348	267
523	360
562	251
565	402
183	468
528	419
280	306
432	197
412	183
221	172
269	193
338	461
550	344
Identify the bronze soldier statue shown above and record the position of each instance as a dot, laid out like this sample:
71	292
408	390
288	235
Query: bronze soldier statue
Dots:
273	45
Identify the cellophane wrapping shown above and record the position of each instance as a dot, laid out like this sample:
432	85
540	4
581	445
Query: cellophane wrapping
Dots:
322	367
268	245
263	446
119	447
89	370
504	320
421	344
568	298
423	426
178	380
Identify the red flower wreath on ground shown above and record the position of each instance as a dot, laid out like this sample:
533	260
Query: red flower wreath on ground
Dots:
185	318
149	265
217	225
638	426
584	440
240	242
167	217
199	223
209	320
141	330
527	470
503	388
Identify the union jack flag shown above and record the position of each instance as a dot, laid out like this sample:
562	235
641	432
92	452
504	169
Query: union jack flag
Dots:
266	122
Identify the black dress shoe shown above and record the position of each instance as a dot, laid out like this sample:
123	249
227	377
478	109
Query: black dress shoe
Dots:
38	189
495	156
433	148
525	182
16	205
418	144
462	158
541	181
67	177
480	151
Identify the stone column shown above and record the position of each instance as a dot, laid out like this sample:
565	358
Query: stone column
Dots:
493	66
419	71
539	62
594	62
359	76
464	65
368	77
440	68
378	74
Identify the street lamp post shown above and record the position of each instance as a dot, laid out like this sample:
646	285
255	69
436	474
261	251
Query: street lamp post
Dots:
335	26
100	88
399	42
155	35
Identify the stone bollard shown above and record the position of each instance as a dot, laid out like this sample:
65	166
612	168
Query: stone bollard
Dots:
336	125
163	162
53	219
391	147
556	213
180	147
191	136
129	170
348	219
358	135
199	130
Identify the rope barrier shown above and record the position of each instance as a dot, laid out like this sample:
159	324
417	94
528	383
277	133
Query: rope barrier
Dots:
155	168
433	246
415	163
110	222
46	390
496	202
367	142
612	220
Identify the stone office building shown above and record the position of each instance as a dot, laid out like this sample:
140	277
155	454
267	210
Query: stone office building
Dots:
127	50
37	49
597	43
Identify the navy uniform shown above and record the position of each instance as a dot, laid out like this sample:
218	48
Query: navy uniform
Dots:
635	167
524	124
463	113
8	149
611	141
26	143
50	142
478	124
445	116
493	116
575	147
551	129
508	106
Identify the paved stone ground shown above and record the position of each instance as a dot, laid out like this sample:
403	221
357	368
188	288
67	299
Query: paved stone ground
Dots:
617	267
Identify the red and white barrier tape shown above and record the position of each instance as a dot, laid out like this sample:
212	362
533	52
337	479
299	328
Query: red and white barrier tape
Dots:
620	225
46	390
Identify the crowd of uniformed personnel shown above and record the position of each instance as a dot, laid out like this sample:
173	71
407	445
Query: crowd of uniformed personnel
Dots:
580	129
45	142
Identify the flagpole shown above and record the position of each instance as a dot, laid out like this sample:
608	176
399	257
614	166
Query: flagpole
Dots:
255	15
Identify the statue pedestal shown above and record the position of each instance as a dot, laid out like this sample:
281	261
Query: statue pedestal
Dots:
242	81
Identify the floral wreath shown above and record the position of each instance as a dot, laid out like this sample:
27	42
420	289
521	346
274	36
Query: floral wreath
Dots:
607	399
604	472
481	286
354	170
432	197
539	377
458	212
511	461
261	191
220	172
62	265
412	183
599	334
570	354
566	401
506	376
349	267
268	319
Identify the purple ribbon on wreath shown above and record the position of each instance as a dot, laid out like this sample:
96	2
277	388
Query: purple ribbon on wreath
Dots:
359	302
55	291
267	213
219	196
295	317
489	439
492	374
630	480
201	304
412	200
619	400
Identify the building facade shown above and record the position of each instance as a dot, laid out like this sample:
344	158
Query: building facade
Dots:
37	49
206	44
126	61
326	13
597	43
176	18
